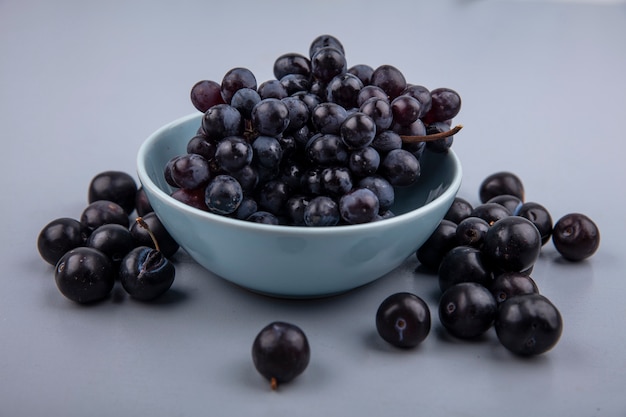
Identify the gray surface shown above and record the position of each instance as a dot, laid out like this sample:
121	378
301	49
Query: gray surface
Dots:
81	87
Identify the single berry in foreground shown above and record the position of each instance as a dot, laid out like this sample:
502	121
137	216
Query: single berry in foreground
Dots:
84	275
576	237
280	352
59	237
403	320
467	310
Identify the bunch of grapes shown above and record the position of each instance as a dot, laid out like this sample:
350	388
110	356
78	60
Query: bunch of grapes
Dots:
322	144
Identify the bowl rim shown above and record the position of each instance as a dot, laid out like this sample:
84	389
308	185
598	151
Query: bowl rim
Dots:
147	182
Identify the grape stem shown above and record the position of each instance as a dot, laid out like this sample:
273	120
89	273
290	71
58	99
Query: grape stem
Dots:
273	384
430	138
141	222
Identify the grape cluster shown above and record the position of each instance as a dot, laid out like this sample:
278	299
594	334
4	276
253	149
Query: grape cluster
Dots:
322	144
101	247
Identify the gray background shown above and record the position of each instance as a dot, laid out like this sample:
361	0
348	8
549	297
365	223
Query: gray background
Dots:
83	83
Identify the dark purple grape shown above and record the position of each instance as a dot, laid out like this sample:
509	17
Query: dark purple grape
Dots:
291	63
327	117
223	194
222	120
321	211
459	210
311	100
327	63
323	41
84	275
576	236
327	149
116	186
471	231
403	320
467	310
405	109
267	151
298	113
280	352
142	204
380	111
272	89
363	72
511	202
442	240
273	197
102	212
233	153
244	101
167	171
294	83
270	117
364	161
422	94
540	217
386	141
203	146
146	274
417	128
445	105
246	208
371	91
248	178
311	181
415	148
206	94
512	244
167	245
382	188
400	168
490	212
358	130
190	171
511	284
389	79
295	209
193	198
463	264
439	145
528	325
59	237
336	181
236	79
263	217
114	240
343	89
360	205
500	183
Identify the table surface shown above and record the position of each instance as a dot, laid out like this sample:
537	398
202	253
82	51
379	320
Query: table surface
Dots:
84	83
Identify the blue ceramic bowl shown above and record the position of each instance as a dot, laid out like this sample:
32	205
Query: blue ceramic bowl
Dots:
290	261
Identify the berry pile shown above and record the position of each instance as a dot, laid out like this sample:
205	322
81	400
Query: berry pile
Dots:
322	144
102	246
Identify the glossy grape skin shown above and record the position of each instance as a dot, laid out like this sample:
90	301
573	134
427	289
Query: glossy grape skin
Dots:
463	264
500	183
540	217
442	240
167	244
327	149
472	231
101	212
405	109
272	89
439	145
336	181
244	101
273	197
358	130
246	208
142	204
294	209
59	237
380	111
359	206
445	105
459	210
467	310
267	151
193	198
417	128
363	72
327	63
400	168
389	79
382	188
511	284
114	240
270	117
576	237
116	186
298	113
295	83
511	202
223	194
364	162
311	100
84	275
263	217
323	41
386	141
344	89
328	117
403	320
512	244
528	325
281	352
291	63
206	94
233	153
203	146
190	171
490	212
422	94
235	79
321	211
146	274
222	120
